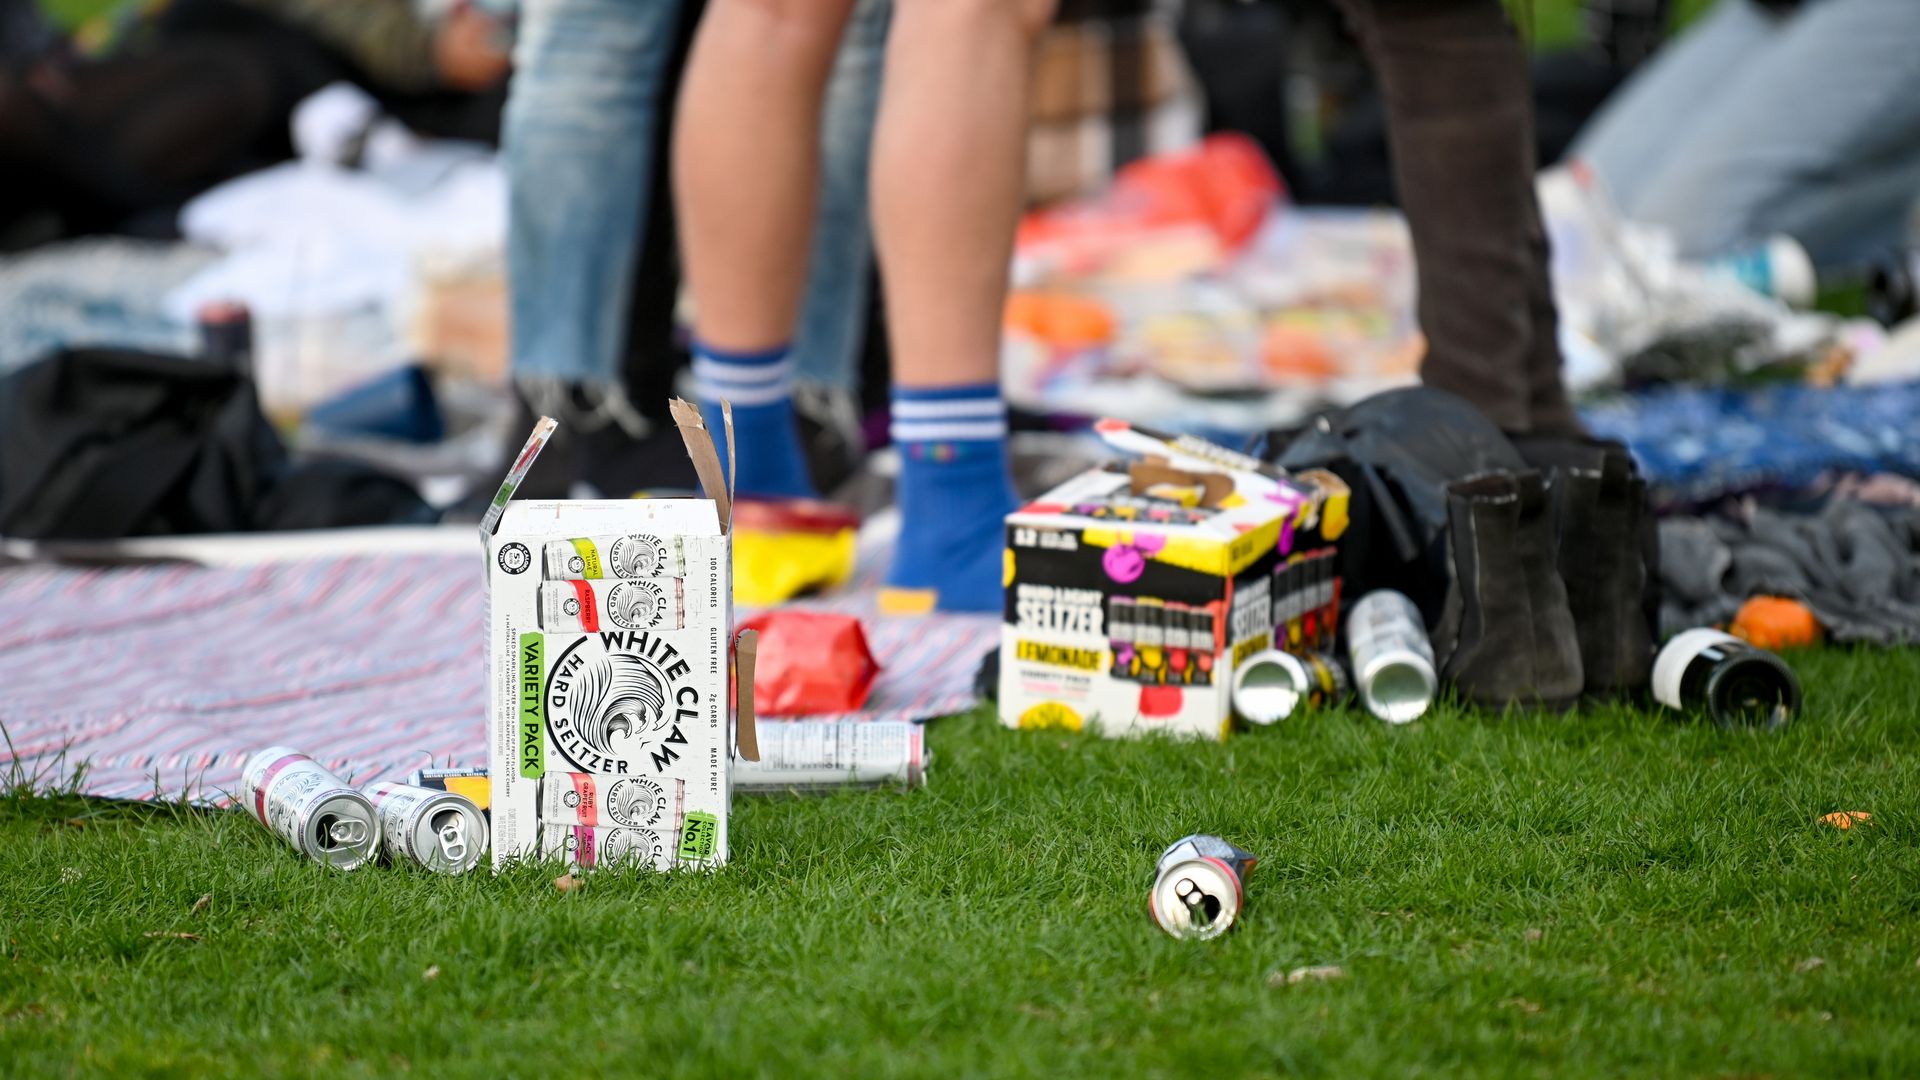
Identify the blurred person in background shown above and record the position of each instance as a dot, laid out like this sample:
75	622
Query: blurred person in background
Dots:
1454	78
1796	117
592	91
948	185
186	94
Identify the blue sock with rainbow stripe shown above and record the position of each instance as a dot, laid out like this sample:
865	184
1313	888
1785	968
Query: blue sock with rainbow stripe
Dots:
955	492
768	458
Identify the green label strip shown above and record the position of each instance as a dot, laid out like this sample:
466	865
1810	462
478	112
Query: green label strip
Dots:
700	836
533	674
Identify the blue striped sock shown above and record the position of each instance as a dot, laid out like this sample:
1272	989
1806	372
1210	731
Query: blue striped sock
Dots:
955	492
769	460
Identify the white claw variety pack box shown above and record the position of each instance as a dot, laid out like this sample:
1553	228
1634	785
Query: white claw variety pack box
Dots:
611	666
1135	589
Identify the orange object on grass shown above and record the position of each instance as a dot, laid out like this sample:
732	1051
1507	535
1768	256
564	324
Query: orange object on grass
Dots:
1773	622
1846	819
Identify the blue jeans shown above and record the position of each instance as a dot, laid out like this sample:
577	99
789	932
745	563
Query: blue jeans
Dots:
578	138
1753	124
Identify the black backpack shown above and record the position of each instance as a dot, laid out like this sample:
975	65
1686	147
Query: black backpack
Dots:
1398	451
99	444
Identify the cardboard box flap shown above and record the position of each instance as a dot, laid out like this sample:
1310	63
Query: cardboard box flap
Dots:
1153	472
746	648
1181	451
706	461
543	430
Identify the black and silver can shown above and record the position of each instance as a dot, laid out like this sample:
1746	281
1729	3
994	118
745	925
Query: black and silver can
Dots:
1391	658
1199	886
439	830
1712	672
1271	685
309	807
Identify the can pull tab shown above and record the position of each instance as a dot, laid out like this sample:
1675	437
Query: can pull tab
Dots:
347	832
1202	907
453	840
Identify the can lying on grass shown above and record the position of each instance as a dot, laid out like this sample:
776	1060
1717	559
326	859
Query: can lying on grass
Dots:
1271	685
1711	672
309	807
1393	668
1198	886
439	830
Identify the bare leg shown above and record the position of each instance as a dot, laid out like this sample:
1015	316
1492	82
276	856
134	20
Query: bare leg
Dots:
948	177
746	166
746	163
949	169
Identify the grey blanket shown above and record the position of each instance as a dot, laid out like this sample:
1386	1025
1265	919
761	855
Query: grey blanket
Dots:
1855	566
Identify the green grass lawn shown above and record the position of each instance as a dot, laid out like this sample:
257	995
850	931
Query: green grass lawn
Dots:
1611	893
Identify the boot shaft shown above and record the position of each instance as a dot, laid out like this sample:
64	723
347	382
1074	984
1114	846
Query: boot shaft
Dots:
1509	634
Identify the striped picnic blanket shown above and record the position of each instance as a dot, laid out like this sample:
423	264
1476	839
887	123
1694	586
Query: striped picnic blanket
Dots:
161	679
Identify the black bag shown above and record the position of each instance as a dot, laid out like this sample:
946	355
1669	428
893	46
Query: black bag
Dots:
99	444
1398	451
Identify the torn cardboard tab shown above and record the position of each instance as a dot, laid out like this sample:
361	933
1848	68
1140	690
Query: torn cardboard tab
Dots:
543	430
746	649
1157	472
726	417
706	460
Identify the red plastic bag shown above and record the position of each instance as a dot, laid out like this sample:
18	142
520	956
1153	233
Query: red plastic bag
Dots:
810	662
1225	187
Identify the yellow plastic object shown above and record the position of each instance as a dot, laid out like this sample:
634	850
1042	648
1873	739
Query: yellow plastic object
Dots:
771	566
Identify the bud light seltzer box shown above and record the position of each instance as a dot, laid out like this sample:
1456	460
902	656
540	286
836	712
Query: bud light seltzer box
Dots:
585	694
1134	590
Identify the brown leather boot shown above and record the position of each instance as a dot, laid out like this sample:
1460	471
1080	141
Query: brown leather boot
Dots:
1506	635
1608	555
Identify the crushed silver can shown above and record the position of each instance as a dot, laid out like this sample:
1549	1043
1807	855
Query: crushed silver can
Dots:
1392	660
308	806
1199	886
440	830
